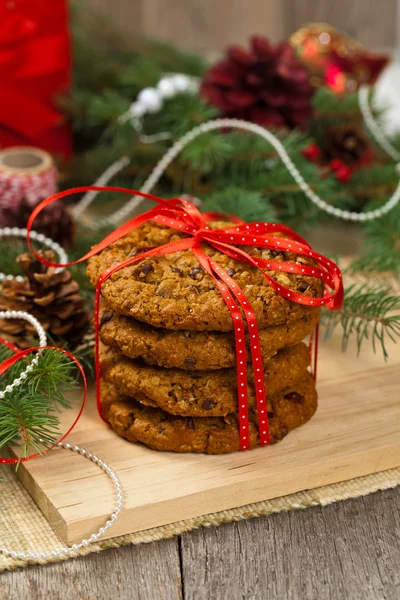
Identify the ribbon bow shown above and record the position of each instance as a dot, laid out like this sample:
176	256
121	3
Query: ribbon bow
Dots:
184	217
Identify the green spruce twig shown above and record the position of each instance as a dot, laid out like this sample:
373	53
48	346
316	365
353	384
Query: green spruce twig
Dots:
381	247
29	414
368	313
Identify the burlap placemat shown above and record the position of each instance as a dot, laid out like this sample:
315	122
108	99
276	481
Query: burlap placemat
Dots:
23	527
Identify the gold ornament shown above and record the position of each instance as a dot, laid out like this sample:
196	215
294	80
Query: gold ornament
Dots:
336	60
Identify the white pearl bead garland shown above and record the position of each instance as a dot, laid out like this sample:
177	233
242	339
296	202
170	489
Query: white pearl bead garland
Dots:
95	536
171	154
380	138
150	100
104	178
168	87
37	237
19	314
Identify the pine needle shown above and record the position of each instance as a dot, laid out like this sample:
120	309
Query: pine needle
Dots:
381	247
29	414
368	313
250	206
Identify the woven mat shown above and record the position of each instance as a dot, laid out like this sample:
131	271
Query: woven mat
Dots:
23	528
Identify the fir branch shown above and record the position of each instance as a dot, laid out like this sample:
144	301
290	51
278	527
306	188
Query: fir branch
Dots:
106	108
250	206
180	114
28	415
325	102
368	313
381	245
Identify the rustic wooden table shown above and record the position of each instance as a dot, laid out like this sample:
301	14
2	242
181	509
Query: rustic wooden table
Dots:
348	550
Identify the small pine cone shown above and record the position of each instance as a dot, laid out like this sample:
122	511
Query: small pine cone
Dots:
52	297
346	143
17	295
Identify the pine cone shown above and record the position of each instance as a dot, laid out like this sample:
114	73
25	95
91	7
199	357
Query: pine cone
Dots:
55	221
53	298
266	85
346	143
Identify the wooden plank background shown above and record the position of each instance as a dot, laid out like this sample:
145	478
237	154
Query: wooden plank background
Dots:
348	550
207	26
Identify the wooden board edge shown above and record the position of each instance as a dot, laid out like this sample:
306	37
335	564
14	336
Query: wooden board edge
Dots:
50	512
154	515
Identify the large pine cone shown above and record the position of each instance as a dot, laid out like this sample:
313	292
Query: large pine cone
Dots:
53	298
55	221
266	85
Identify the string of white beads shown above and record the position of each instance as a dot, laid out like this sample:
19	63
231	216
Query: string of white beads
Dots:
373	126
178	146
169	86
19	314
151	99
37	556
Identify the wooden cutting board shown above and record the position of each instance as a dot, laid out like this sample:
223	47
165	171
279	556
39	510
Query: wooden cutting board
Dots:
355	432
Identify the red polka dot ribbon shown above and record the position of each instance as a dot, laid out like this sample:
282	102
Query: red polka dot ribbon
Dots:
185	217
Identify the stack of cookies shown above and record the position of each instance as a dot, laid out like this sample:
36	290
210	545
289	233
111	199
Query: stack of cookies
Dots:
167	350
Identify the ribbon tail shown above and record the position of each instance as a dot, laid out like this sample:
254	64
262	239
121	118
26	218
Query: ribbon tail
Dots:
226	286
256	354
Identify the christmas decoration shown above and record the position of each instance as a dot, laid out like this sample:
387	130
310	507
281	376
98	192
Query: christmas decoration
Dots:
344	150
25	172
151	100
27	175
335	59
346	143
52	297
265	85
36	64
371	215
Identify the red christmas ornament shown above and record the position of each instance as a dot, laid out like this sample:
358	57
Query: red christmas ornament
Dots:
346	74
35	65
312	152
342	172
344	150
266	85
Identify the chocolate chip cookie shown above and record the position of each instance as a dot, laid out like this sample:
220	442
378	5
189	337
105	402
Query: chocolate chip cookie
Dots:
288	409
174	292
200	350
197	393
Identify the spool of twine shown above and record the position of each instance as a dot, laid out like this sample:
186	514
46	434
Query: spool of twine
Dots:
26	172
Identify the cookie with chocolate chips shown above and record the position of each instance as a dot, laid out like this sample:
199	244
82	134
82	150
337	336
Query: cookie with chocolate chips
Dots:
174	292
194	350
197	393
211	435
